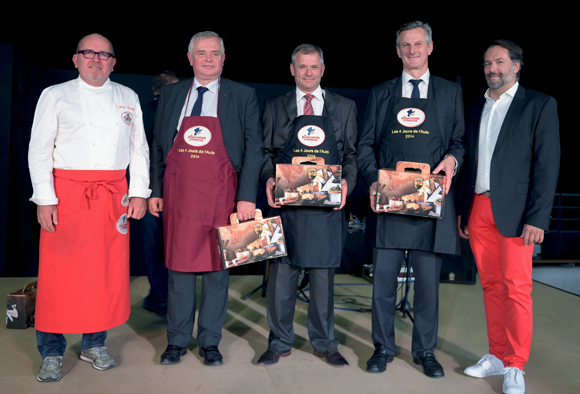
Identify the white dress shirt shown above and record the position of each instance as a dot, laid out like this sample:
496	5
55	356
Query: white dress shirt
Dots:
209	106
492	118
317	101
408	86
81	127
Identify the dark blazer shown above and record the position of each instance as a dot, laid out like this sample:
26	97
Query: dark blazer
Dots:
239	117
524	165
449	111
278	118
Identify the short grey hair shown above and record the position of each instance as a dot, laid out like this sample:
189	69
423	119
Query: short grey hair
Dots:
95	34
202	36
307	49
414	25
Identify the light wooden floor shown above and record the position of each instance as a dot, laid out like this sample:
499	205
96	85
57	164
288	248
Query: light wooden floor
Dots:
138	344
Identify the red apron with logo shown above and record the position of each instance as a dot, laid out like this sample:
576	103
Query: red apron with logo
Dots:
83	279
199	194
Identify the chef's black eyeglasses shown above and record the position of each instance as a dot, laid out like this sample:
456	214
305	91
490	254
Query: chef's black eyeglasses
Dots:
88	54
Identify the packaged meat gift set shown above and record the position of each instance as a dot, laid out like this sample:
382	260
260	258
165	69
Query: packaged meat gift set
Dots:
308	182
407	191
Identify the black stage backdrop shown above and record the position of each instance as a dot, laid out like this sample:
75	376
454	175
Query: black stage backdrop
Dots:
359	49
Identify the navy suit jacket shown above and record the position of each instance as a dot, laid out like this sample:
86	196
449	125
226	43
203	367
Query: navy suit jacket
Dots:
524	166
239	117
279	114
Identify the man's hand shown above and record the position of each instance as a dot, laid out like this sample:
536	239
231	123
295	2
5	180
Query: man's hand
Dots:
447	165
47	217
465	232
137	208
532	235
246	210
270	186
344	192
155	205
373	195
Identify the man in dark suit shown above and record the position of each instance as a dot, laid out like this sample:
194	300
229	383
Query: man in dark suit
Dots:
425	239
207	155
506	197
308	231
156	301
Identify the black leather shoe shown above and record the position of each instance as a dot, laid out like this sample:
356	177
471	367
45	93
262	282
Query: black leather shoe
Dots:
173	354
378	362
431	366
333	357
211	355
271	357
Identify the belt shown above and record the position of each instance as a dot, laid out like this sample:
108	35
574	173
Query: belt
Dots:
487	194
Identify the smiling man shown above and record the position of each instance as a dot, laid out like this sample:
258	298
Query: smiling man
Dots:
206	159
85	134
505	202
314	236
424	239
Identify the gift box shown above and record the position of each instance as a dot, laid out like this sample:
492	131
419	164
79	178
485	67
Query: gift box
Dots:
20	307
308	182
251	241
411	189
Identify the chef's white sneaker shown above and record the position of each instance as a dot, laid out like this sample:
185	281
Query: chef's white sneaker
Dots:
489	365
513	381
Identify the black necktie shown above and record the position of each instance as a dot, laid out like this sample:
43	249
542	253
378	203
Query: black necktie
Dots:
196	110
415	93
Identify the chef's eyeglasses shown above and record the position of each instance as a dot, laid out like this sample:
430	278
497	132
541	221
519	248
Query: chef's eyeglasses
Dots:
88	54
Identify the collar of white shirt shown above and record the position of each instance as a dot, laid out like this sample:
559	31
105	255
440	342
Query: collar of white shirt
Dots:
212	86
424	78
317	94
511	92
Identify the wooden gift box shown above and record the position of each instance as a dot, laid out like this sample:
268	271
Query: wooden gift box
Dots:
308	182
20	306
411	189
251	241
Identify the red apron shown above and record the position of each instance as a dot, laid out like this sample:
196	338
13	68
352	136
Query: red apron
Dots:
199	194
83	279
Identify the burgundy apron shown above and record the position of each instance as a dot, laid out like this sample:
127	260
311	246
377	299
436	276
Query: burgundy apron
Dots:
199	194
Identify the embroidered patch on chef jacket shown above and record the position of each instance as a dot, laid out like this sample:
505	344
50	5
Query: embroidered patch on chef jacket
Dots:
411	117
122	225
197	136
125	200
127	118
311	135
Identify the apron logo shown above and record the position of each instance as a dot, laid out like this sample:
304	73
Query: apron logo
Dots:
311	135
122	225
127	118
197	136
411	117
125	200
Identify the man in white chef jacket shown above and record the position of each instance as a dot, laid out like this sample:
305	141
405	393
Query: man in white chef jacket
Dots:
85	133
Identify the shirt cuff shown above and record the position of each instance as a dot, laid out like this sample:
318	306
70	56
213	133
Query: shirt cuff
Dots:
455	160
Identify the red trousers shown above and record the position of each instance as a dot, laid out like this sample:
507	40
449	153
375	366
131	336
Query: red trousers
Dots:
505	271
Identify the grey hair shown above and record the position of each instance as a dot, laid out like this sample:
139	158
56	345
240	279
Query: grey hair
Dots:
307	49
202	36
414	25
515	51
95	34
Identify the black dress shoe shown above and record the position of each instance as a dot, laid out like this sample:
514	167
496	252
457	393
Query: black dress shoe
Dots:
271	357
431	366
211	355
378	362
333	357
173	354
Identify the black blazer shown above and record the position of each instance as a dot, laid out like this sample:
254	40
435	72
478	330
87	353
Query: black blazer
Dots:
239	117
449	111
278	118
524	165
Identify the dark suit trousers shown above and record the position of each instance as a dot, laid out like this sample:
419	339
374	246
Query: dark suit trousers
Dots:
181	307
282	293
386	267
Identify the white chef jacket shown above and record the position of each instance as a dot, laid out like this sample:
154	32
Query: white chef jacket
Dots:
82	127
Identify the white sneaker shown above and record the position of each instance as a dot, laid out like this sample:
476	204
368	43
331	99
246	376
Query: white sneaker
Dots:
489	365
513	381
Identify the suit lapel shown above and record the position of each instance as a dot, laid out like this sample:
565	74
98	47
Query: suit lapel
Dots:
290	105
511	118
478	109
180	100
223	101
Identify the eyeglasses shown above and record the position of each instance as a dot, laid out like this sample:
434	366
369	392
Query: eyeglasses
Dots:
88	54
